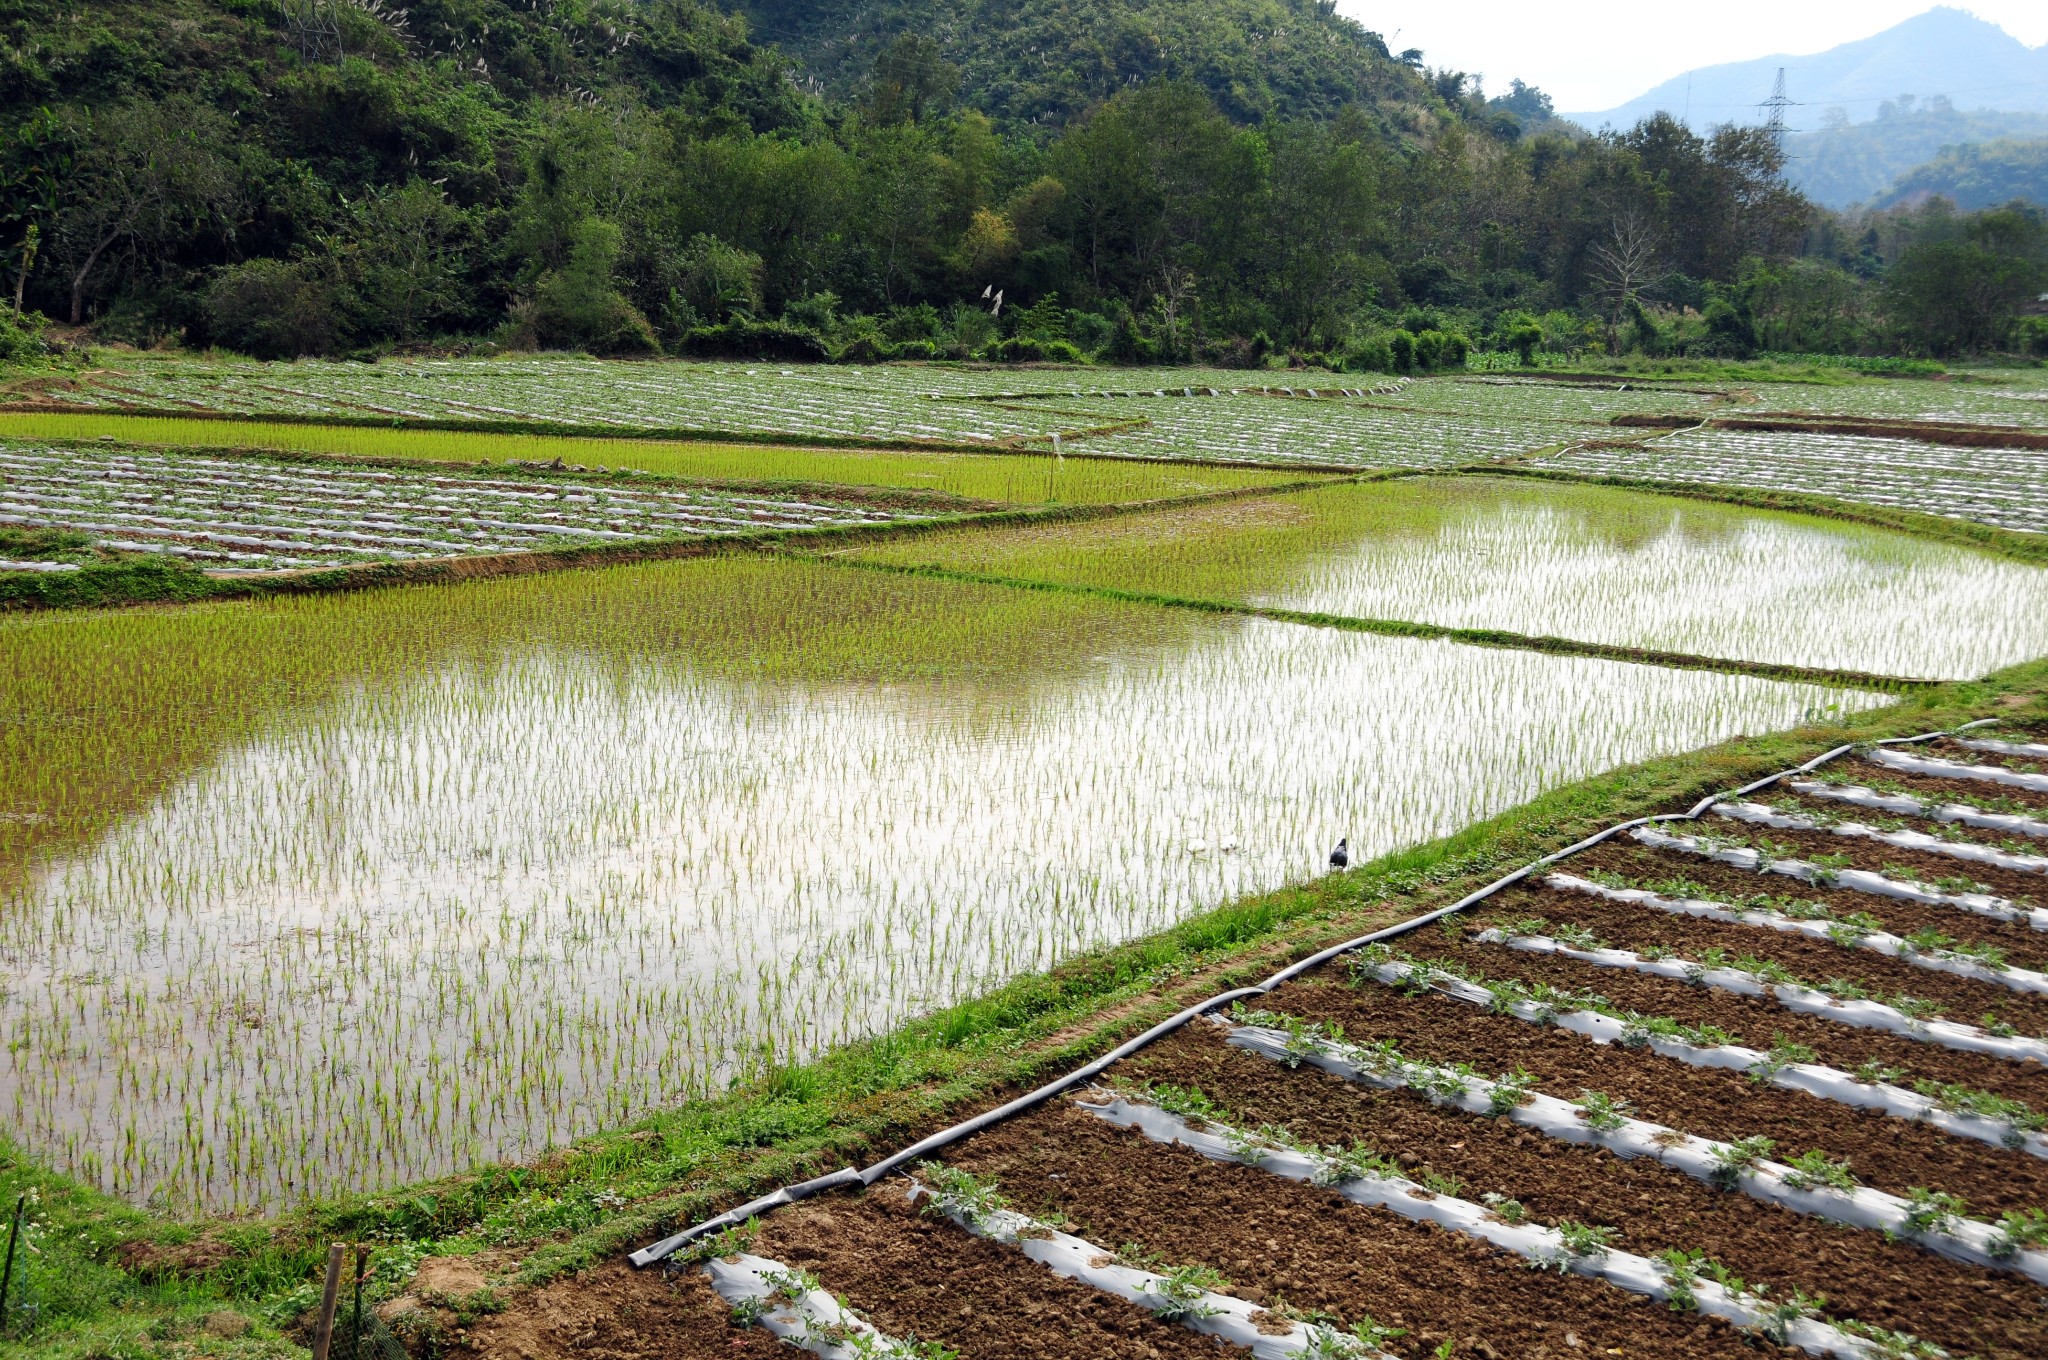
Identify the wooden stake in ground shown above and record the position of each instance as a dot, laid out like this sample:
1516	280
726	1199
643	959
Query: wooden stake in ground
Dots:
323	1333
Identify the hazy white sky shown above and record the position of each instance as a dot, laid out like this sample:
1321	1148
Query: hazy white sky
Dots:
1593	54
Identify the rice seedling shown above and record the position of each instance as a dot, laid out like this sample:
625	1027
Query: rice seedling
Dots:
2003	487
345	891
1025	478
1589	563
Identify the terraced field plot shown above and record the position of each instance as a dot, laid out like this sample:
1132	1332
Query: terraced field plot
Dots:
2005	487
511	861
1769	1083
242	514
1307	418
2017	397
888	404
1325	433
1018	478
1587	563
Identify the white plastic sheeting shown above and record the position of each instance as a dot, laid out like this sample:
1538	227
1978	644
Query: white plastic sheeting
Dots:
1908	806
813	1320
1854	880
1204	1311
1759	814
1833	932
1938	768
2023	749
1802	1000
1703	1159
1637	1274
1814	1079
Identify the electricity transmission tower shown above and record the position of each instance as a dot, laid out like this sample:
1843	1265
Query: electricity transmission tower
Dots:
316	26
1773	110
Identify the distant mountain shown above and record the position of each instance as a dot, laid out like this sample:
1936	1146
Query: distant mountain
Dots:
1855	163
1980	176
1977	65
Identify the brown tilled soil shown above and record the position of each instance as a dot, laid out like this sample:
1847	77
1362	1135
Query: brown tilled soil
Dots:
1783	796
1756	1021
2022	943
1890	1154
1865	853
912	1275
1812	961
1284	1242
613	1312
1640	864
1934	787
1948	749
1656	1207
906	1274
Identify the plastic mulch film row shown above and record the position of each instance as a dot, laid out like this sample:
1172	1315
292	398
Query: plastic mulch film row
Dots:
849	1177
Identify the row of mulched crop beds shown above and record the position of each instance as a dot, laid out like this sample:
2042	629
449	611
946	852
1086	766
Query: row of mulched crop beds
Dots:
248	514
1762	1083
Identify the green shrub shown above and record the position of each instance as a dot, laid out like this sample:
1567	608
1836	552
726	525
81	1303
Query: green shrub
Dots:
274	309
21	336
1021	349
1402	351
742	338
1521	333
577	306
1374	355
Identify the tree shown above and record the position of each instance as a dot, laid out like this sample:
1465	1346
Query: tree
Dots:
1624	262
1326	219
912	78
579	305
1961	295
718	280
151	176
409	247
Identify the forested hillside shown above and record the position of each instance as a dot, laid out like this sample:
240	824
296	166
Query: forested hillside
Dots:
1042	63
1841	164
1980	175
1217	179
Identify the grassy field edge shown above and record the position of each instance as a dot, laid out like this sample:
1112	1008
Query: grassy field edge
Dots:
137	1283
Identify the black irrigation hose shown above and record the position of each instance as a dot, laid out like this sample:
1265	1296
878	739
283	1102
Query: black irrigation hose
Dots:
848	1176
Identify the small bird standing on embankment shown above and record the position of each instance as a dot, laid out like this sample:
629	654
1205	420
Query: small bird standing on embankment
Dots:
1340	858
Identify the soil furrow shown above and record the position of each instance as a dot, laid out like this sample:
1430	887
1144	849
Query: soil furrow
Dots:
1947	748
614	1312
1656	1207
1890	1154
1935	788
1641	865
1282	1242
1785	798
1757	1022
913	1275
2020	886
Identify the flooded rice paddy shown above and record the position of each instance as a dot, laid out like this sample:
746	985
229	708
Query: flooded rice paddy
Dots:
345	891
1589	563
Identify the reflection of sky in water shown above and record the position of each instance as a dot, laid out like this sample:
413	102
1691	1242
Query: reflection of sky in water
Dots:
1705	580
471	914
